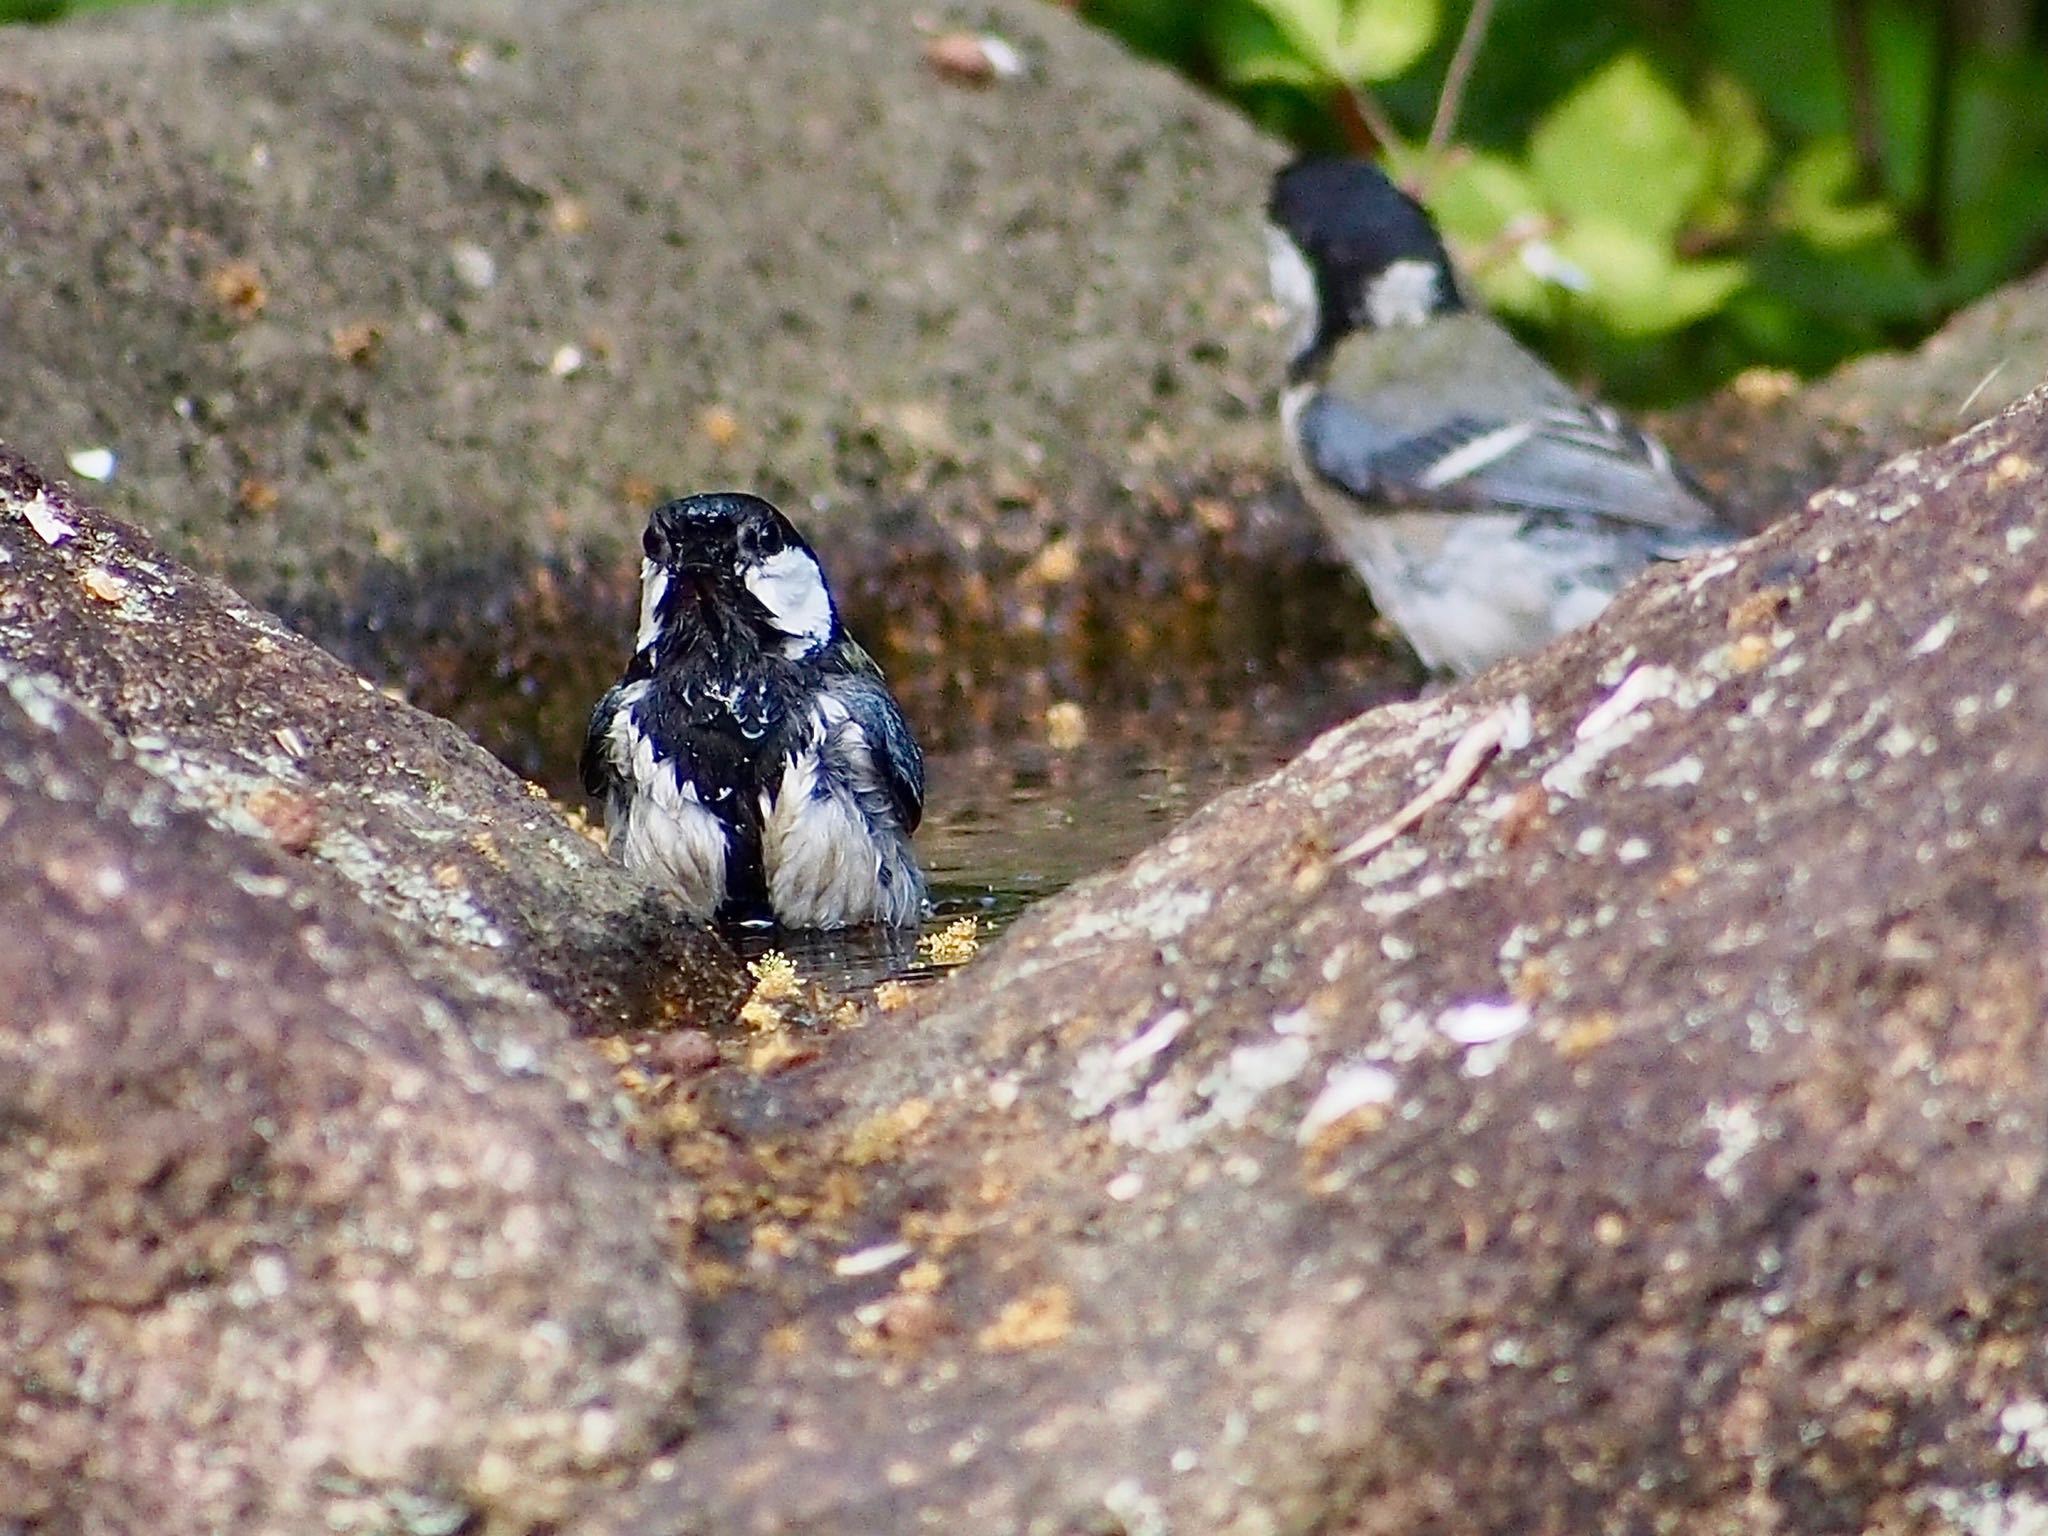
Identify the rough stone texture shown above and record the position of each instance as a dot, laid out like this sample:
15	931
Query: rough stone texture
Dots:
1005	349
1227	1211
1766	442
1741	1230
272	737
292	1237
943	324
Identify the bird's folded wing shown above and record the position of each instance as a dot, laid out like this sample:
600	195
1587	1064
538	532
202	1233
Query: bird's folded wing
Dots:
1575	460
897	760
596	763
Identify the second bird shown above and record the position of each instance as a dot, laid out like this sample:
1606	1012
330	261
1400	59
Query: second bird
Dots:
1488	506
752	758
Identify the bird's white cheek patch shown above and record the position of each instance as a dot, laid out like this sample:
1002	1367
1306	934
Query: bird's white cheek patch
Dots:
653	588
1407	293
792	588
1293	285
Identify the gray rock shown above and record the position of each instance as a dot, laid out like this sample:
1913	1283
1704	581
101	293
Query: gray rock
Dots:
398	320
1766	442
311	271
1646	1133
295	1234
273	738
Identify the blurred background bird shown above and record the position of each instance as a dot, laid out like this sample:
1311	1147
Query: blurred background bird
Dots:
1487	505
752	758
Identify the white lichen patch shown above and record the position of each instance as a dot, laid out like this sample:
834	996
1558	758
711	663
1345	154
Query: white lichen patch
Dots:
1136	1512
1170	1114
1609	726
1682	774
1990	1510
41	697
1711	572
1485	1028
1938	634
49	526
451	912
1233	1088
1850	618
1161	915
870	1261
1737	1133
1351	1087
1391	865
1105	1074
2023	1431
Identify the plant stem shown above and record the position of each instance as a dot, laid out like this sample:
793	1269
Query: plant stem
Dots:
1852	36
1931	224
1458	74
1366	124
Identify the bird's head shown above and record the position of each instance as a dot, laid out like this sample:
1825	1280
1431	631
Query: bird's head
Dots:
1348	250
728	569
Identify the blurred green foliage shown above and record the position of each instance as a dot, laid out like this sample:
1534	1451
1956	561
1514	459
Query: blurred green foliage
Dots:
1668	191
54	10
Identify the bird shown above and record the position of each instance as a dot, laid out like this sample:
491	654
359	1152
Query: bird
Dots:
1487	505
752	758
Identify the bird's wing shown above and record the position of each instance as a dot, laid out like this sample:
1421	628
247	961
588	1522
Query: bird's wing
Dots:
1570	458
898	762
598	773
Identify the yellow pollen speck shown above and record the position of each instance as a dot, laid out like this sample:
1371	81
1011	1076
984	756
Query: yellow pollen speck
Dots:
775	978
1587	1034
2011	469
104	584
953	944
1034	1320
1748	653
1066	726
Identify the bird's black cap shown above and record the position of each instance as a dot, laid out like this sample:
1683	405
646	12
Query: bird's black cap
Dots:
1352	224
700	524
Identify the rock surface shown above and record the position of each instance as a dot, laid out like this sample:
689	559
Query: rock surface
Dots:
380	331
399	319
295	1234
1766	442
1647	1135
273	738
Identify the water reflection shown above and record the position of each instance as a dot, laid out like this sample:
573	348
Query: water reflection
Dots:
1010	823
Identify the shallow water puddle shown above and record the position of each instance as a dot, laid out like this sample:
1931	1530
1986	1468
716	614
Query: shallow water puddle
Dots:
1010	824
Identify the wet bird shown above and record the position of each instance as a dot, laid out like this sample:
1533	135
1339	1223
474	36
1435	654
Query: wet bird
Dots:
1487	505
752	758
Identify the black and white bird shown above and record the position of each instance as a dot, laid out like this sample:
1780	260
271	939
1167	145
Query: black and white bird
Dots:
1487	505
752	758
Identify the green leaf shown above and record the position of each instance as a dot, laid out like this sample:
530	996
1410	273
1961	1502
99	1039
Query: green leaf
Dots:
1817	198
1380	38
1787	54
1476	197
1738	143
1478	201
1638	287
1622	148
1251	47
1322	41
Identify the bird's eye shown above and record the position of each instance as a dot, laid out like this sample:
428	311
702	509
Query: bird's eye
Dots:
758	541
652	545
